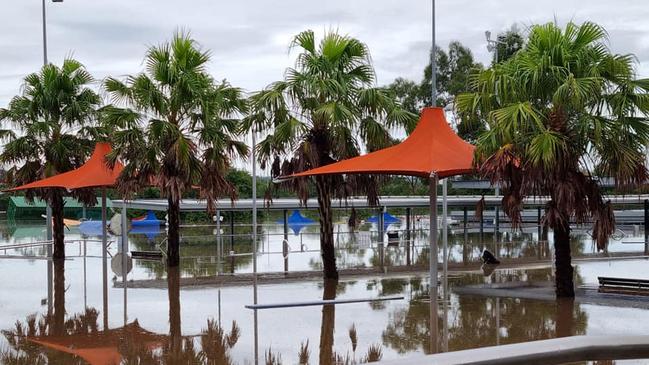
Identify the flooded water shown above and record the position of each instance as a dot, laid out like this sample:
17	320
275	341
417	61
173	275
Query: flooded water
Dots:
159	321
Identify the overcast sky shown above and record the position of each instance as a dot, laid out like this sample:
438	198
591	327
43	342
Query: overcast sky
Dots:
249	38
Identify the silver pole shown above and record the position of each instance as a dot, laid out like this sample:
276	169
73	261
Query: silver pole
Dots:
254	238
50	268
433	64
254	214
44	36
104	256
433	231
124	259
445	232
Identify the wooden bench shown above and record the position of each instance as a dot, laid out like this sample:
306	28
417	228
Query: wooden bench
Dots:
623	285
146	255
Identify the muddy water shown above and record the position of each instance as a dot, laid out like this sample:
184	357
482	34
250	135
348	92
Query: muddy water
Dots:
175	324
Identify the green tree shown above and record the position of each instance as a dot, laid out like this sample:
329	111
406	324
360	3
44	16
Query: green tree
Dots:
54	119
561	108
175	128
453	69
508	44
324	110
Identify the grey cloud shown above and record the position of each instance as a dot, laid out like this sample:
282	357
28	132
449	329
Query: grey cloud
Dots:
249	38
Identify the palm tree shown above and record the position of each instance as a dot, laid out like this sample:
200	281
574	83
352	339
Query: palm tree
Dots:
175	128
54	119
326	106
559	112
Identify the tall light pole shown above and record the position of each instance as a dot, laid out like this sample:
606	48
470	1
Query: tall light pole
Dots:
492	45
45	30
48	209
433	64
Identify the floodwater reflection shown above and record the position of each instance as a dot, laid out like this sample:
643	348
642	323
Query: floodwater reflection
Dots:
181	324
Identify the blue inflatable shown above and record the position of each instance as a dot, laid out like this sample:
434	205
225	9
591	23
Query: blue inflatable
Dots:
297	221
150	231
387	220
90	228
148	220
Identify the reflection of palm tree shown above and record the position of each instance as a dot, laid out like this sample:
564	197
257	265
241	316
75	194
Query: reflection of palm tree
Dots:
475	323
173	287
328	322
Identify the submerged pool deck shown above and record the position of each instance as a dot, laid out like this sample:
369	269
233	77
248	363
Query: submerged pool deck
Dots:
244	279
585	294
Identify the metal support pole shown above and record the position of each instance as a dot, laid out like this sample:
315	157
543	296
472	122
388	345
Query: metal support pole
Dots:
482	228
434	305
433	232
538	222
231	230
218	227
433	63
381	223
104	257
497	209
408	235
445	232
124	240
646	227
254	218
50	267
285	241
44	35
254	238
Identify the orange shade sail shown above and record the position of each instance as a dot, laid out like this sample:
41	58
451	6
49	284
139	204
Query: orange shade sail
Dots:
93	173
433	147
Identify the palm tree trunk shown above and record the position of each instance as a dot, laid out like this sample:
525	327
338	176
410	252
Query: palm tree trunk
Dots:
328	322
173	237
327	249
58	234
58	327
563	265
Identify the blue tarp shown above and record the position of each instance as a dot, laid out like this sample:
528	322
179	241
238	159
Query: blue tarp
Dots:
297	221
